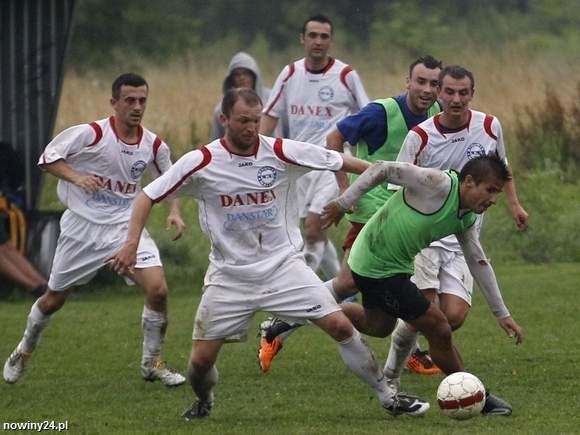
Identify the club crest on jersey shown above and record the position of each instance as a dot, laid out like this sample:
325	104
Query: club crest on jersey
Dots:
267	176
326	93
474	150
138	168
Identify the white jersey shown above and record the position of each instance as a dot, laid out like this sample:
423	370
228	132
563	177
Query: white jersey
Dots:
313	102
432	146
95	149
247	203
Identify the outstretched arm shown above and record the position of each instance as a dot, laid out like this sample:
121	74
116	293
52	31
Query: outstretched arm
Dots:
426	188
484	275
124	260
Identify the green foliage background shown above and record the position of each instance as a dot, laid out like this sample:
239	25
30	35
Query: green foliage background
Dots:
161	30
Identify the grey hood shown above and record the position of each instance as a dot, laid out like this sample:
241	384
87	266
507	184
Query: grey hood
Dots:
244	60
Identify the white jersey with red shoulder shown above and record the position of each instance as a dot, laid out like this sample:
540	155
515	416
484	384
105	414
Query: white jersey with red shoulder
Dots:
313	102
247	203
96	149
431	145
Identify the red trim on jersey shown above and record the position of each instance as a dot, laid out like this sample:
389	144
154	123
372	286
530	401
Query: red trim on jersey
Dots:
328	65
204	162
279	151
291	69
228	149
461	403
139	132
487	126
424	139
343	75
156	145
98	133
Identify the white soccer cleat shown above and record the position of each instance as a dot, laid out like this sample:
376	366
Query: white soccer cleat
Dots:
160	372
14	365
404	404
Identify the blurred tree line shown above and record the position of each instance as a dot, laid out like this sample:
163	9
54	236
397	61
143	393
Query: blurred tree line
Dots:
150	29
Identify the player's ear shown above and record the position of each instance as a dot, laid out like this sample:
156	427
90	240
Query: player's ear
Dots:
469	181
223	119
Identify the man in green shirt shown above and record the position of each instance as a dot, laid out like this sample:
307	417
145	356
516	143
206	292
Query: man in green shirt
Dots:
431	205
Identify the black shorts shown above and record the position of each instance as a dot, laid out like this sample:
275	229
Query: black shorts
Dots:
4	222
396	295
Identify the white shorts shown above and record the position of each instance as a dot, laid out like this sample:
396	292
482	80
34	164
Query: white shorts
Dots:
84	246
443	270
292	292
315	189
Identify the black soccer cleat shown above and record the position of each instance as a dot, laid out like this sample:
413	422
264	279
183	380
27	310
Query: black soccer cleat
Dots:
495	406
198	409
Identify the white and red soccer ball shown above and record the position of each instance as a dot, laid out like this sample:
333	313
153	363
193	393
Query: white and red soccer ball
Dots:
461	395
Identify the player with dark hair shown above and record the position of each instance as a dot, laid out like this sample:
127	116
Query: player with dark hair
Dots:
450	140
430	205
100	166
309	97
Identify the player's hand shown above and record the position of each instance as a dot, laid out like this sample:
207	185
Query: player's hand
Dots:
512	329
331	214
520	217
123	262
174	220
89	183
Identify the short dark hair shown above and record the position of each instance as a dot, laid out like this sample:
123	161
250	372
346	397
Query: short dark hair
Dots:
429	61
319	18
486	167
127	79
234	94
457	72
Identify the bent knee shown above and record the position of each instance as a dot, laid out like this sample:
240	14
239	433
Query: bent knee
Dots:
456	320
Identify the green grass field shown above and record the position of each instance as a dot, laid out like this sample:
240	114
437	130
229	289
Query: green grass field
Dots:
86	369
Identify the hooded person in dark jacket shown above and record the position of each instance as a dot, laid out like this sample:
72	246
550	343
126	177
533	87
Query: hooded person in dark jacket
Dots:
243	72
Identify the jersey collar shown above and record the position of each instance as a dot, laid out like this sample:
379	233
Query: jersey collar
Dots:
139	132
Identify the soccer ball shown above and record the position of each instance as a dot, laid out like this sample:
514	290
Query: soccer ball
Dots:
461	396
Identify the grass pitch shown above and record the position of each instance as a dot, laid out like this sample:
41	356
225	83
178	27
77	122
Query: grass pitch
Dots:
86	369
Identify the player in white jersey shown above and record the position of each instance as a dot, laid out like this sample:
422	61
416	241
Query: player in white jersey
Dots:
449	140
244	185
99	166
310	96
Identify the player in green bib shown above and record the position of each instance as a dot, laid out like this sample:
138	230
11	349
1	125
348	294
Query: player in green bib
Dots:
431	205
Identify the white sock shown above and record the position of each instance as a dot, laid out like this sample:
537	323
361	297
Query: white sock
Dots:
154	325
35	324
329	265
203	385
313	253
403	340
358	358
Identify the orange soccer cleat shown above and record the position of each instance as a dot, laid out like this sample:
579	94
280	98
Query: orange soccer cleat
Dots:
421	363
268	351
